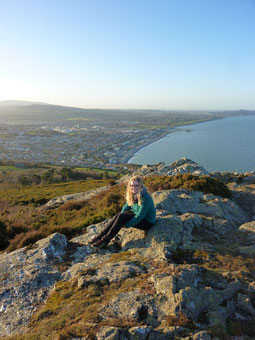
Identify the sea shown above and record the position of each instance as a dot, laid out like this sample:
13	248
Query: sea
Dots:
225	145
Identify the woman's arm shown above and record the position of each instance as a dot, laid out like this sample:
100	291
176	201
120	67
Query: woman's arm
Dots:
126	207
142	212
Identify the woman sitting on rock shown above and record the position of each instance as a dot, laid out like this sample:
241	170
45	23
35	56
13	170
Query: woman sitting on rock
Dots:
139	212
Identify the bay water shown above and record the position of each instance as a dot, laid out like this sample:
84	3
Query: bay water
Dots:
219	145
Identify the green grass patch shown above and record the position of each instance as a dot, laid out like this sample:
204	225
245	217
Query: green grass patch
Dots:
77	118
153	126
175	123
38	195
100	171
11	168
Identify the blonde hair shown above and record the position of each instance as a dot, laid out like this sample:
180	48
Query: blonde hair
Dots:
129	196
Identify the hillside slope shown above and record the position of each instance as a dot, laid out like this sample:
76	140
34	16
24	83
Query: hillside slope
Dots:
191	276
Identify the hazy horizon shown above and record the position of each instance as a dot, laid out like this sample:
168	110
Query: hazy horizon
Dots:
136	55
27	103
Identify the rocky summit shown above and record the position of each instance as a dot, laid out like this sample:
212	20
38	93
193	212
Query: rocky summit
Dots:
191	276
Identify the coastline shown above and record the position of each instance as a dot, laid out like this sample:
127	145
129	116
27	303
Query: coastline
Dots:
163	134
133	151
231	159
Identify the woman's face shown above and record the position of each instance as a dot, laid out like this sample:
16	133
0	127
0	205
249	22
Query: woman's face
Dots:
134	187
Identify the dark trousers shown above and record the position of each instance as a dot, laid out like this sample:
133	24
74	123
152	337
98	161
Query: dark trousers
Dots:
118	221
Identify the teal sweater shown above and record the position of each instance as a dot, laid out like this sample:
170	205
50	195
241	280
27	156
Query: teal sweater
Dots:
146	211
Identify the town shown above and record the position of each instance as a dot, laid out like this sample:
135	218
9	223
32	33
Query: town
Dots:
81	137
77	145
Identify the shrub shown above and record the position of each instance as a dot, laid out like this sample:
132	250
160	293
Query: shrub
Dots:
113	199
179	320
24	180
15	242
188	181
74	205
15	228
238	327
48	176
3	235
31	238
25	239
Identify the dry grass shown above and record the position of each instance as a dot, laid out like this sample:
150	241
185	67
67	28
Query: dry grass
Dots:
179	320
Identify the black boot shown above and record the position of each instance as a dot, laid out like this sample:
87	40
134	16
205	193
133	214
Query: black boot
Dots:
95	239
102	243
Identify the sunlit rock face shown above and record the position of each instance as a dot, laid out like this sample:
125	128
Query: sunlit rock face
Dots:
182	166
27	276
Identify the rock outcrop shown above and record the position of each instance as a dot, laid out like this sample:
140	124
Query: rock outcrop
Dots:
181	166
167	284
81	196
27	276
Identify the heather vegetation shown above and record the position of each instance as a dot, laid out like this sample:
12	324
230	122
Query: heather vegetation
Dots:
26	225
24	219
188	181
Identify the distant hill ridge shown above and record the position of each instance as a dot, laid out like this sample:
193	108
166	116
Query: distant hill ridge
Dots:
20	103
36	111
8	103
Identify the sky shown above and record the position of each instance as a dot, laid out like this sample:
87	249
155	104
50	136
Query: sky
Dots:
129	54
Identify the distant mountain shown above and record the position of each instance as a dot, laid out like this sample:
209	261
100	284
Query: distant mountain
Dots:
19	103
20	111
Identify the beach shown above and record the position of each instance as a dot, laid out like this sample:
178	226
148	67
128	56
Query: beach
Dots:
162	134
134	150
217	145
